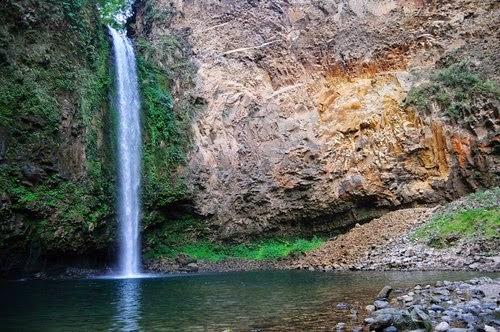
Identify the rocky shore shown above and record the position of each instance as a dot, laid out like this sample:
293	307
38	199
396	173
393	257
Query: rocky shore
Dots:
446	306
386	243
405	255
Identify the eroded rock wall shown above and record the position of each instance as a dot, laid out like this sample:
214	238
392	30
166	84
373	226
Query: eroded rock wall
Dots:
304	120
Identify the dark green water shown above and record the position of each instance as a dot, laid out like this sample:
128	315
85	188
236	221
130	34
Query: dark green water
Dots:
267	301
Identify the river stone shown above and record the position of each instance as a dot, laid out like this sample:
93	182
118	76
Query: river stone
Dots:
370	308
369	320
436	307
441	327
477	293
488	328
384	293
407	298
340	326
379	304
191	267
419	317
183	259
381	322
391	329
441	291
436	299
343	306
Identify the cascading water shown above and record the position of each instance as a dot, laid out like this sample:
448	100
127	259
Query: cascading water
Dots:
127	104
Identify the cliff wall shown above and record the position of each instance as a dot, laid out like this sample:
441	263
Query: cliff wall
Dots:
56	164
319	114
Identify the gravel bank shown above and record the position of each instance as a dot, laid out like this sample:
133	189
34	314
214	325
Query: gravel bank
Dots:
385	244
445	306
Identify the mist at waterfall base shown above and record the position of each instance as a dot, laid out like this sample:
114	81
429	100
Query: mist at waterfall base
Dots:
127	105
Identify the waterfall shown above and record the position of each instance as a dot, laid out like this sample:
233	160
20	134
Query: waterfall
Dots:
127	105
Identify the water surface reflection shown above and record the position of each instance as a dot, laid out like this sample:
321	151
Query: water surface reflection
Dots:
128	309
266	301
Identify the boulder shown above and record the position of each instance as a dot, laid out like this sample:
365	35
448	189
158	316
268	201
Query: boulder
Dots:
380	304
384	293
381	321
441	327
370	308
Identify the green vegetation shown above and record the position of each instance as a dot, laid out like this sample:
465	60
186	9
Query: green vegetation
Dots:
61	215
456	89
162	64
166	133
55	123
477	216
111	9
445	230
267	249
186	236
56	173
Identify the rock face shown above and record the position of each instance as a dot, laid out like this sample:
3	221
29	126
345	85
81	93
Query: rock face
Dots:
304	124
56	188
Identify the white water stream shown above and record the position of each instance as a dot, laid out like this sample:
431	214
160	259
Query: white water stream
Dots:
127	104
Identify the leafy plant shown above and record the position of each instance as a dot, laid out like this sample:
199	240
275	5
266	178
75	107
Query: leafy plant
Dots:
456	90
114	12
264	249
447	229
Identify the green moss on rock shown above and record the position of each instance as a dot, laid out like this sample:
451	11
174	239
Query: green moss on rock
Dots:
188	236
166	122
56	187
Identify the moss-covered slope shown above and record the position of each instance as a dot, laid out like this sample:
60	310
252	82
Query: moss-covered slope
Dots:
56	183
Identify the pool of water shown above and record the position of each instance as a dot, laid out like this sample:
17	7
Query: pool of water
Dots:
239	301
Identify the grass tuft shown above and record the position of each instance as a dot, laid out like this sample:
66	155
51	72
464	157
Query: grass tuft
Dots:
477	216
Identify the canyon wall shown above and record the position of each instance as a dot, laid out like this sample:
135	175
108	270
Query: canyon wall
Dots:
306	122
